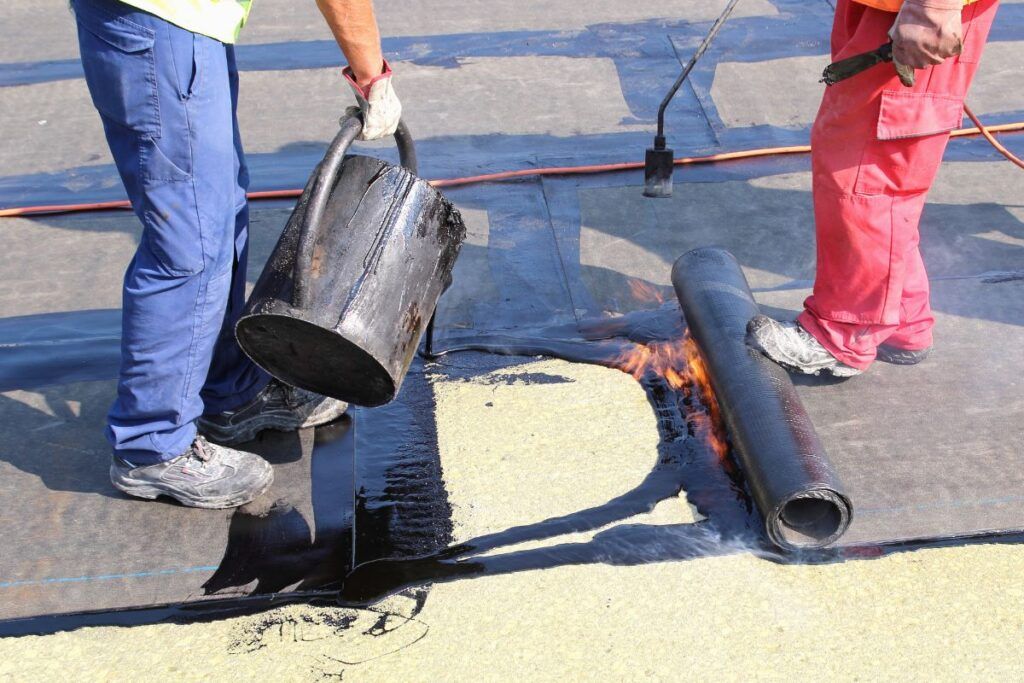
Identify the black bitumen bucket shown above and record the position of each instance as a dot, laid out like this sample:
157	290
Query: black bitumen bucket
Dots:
354	279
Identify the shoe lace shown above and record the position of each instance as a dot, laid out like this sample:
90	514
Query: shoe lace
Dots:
201	450
295	397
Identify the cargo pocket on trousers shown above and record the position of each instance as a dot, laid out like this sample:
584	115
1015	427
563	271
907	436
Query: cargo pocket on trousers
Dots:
886	165
120	68
171	233
171	224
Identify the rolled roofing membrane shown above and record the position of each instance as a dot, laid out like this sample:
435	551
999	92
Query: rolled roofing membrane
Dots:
790	476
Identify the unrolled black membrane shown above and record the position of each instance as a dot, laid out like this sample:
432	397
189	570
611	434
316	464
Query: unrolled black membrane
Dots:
790	477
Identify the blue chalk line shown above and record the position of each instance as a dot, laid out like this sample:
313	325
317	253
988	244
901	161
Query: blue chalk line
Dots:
105	577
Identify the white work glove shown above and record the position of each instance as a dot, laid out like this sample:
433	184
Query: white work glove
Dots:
926	33
378	103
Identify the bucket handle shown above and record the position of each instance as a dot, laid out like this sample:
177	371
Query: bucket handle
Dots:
327	171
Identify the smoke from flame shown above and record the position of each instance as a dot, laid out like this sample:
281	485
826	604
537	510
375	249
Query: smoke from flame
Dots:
679	362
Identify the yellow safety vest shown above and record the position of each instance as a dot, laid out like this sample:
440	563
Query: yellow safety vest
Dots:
218	19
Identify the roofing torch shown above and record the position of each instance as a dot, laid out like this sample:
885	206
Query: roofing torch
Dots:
658	161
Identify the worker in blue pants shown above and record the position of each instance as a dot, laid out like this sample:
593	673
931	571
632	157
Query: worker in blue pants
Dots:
163	78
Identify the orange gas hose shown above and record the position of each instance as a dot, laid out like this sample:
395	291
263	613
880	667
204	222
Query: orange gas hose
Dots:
979	129
987	132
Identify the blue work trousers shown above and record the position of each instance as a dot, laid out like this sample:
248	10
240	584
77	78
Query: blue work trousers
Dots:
167	98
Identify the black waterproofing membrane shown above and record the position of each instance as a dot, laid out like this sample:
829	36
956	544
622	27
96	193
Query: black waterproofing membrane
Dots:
927	454
86	548
934	450
924	452
789	474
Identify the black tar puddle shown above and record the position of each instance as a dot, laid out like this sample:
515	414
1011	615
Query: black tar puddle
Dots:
397	536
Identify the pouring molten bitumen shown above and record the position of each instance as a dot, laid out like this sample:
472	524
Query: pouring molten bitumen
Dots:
354	279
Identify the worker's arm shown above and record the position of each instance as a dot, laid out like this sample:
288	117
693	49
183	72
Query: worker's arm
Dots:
927	32
354	26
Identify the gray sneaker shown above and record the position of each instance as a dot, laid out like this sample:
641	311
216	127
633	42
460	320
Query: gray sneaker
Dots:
279	406
898	356
204	476
792	347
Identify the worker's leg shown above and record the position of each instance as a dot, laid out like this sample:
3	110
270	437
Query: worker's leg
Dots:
916	320
876	149
165	100
233	379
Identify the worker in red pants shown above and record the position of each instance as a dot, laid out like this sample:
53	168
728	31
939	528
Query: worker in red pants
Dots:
876	147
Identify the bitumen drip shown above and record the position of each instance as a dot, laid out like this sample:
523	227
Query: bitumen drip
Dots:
271	543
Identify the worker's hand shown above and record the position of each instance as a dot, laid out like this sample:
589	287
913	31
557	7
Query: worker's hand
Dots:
926	33
378	103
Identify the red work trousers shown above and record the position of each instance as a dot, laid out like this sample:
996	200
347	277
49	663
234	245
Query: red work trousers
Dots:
876	147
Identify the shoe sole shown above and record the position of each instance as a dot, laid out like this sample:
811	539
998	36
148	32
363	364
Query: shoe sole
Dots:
839	373
891	354
150	491
251	428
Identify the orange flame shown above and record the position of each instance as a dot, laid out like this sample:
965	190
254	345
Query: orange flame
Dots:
645	292
680	363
